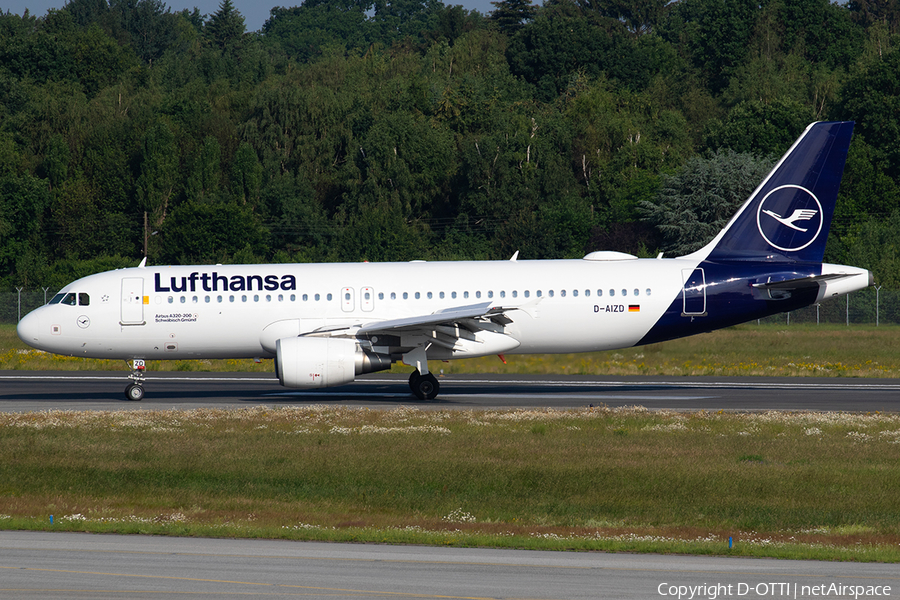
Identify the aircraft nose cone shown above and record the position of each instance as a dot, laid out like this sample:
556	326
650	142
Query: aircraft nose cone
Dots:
29	329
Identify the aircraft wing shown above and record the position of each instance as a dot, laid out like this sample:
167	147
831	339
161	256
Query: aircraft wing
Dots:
448	316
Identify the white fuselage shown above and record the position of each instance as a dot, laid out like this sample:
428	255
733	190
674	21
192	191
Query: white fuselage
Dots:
194	312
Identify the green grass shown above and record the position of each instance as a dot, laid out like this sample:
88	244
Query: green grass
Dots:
745	350
799	485
821	486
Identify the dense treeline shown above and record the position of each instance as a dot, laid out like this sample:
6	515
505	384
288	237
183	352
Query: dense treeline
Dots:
410	129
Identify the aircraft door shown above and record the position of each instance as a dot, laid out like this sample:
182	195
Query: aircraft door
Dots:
133	301
694	293
347	301
367	299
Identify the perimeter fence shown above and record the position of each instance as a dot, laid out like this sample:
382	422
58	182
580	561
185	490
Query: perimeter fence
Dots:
870	306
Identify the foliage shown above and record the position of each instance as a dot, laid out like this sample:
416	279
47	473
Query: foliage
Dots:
695	203
411	129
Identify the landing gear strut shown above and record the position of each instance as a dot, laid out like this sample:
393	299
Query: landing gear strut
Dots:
425	387
135	389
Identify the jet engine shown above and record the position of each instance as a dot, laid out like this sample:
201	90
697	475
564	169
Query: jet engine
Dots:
313	362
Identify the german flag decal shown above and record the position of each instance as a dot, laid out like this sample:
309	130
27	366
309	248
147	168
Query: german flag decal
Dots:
634	308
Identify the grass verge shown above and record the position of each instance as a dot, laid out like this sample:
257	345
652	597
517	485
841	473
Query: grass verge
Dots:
791	485
745	350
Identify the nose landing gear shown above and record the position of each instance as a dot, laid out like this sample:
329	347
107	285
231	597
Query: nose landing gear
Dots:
135	389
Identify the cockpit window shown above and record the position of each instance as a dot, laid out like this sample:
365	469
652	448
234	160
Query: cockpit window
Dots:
71	299
57	299
84	299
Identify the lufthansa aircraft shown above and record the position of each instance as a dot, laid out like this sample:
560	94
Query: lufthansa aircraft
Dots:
324	324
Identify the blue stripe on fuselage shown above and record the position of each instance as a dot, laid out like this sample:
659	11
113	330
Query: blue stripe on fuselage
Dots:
732	299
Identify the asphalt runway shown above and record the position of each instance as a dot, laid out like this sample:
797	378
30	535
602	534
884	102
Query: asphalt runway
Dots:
86	566
35	391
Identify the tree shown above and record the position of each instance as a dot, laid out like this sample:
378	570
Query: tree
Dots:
210	232
226	26
511	15
876	246
147	26
159	172
695	204
640	16
871	97
246	175
764	128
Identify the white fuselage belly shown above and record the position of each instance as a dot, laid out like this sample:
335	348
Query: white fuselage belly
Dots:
185	312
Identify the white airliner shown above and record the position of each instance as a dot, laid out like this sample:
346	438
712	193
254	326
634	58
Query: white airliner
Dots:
324	324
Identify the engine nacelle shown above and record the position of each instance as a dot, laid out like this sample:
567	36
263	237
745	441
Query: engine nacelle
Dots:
312	362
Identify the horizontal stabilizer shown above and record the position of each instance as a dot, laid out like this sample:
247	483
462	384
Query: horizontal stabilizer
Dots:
802	282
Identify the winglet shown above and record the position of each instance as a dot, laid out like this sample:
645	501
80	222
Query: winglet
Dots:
143	263
515	257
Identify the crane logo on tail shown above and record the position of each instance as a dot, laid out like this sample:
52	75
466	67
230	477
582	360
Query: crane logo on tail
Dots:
789	218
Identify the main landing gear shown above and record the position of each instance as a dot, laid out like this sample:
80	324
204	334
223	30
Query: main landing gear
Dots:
425	387
135	389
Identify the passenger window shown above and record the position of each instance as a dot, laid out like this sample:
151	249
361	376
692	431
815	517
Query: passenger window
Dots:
256	297
243	297
478	294
539	293
219	299
328	297
231	298
550	293
430	295
393	295
465	294
599	293
648	291
317	297
305	297
515	294
612	293
206	299
293	297
490	293
195	300
575	293
637	292
587	293
453	295
84	300
171	300
406	295
527	293
624	292
441	295
182	299
418	295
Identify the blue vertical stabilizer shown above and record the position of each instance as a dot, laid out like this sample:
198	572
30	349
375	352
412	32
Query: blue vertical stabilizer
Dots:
787	217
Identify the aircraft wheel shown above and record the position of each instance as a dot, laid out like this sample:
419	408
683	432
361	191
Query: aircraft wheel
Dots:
425	387
134	392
